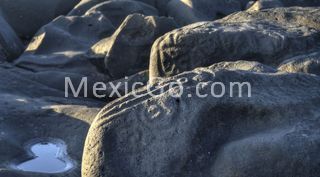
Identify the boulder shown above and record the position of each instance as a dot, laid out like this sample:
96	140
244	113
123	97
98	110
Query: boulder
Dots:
190	11
27	16
127	51
264	4
141	5
243	65
307	63
10	45
268	36
117	10
59	50
31	110
257	135
267	4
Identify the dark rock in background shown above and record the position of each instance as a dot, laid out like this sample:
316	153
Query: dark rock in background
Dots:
85	5
10	45
59	49
190	11
117	10
27	16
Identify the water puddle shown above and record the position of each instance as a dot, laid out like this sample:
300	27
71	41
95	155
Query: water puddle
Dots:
48	156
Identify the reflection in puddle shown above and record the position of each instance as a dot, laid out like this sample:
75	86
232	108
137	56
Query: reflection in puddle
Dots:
48	157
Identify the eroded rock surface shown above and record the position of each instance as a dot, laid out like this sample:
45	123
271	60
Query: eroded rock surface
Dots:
269	127
267	4
117	10
58	50
31	110
10	45
269	36
127	51
127	5
27	16
267	134
307	63
191	11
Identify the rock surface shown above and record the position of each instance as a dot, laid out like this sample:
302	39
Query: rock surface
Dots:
10	45
161	136
265	124
30	110
59	48
191	11
117	10
27	16
267	4
267	36
308	63
135	36
85	5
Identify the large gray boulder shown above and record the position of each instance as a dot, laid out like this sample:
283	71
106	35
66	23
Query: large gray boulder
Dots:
191	11
275	132
268	36
127	51
307	63
31	110
117	10
59	49
10	45
27	16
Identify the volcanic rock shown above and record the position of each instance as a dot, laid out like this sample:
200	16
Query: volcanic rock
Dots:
127	51
269	132
267	36
27	16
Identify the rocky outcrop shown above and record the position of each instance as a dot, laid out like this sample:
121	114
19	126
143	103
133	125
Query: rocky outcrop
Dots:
269	36
307	63
161	136
191	11
235	97
27	17
267	4
117	10
243	65
10	45
31	110
135	36
85	5
59	49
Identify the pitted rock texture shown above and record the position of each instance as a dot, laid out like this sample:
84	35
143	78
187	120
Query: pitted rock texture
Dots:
268	36
307	63
267	4
268	134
